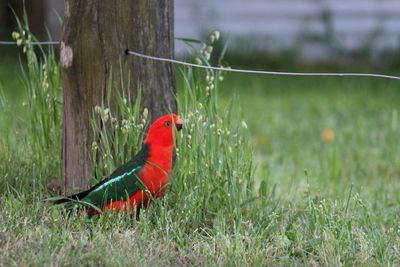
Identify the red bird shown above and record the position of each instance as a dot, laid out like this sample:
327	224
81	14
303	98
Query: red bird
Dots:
146	174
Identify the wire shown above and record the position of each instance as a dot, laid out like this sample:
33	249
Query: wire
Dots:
31	43
130	52
281	73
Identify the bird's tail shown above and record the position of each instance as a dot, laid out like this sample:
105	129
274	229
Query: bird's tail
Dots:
75	200
68	202
68	199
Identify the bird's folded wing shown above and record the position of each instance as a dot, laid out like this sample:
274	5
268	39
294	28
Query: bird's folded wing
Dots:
120	185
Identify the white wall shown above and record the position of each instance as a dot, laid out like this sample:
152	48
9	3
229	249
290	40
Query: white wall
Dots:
275	24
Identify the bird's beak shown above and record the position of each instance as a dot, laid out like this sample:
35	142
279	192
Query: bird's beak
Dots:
179	124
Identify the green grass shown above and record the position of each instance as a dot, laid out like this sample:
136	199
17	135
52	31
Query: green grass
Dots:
10	72
286	117
272	194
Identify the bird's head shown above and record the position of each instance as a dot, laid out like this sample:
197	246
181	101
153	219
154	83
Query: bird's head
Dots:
163	130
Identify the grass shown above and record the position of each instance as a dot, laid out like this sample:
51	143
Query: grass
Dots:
293	113
273	194
10	72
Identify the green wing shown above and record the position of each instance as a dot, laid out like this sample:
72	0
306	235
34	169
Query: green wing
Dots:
121	184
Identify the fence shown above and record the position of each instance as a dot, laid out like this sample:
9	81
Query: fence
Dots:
225	69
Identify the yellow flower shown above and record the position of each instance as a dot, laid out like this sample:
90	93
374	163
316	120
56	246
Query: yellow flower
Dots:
97	109
260	140
217	35
198	61
15	35
327	135
145	113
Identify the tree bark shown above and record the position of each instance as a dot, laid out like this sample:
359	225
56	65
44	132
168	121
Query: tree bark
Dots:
95	35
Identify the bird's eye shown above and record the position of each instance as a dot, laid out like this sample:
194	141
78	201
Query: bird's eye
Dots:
167	123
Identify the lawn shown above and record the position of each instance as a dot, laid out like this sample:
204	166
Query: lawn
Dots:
296	171
288	116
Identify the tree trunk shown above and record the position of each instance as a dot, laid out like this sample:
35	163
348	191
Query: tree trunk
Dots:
95	35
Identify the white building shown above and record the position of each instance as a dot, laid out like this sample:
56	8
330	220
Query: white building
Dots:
312	26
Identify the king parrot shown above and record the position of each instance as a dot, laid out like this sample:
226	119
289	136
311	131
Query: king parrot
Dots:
147	173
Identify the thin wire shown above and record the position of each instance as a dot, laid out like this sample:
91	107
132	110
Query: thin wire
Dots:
31	43
130	52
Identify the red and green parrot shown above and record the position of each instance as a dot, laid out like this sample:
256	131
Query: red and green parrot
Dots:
147	173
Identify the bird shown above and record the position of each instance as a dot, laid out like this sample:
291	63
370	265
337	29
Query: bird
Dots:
141	179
